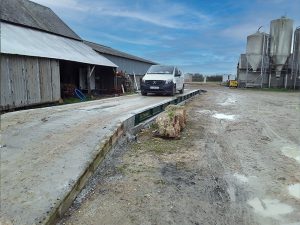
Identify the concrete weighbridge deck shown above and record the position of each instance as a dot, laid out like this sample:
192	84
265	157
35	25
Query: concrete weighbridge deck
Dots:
48	154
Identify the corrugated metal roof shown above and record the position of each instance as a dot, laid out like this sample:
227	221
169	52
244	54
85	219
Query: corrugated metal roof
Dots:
25	41
30	14
110	51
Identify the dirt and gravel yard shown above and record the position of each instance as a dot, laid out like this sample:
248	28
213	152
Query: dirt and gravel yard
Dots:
237	162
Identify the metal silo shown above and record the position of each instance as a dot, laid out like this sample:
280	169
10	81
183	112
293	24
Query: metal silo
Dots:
281	40
256	48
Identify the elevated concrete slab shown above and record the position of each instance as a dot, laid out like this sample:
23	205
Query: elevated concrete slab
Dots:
48	154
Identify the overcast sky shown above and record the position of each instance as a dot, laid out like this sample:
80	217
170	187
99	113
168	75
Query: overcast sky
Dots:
204	36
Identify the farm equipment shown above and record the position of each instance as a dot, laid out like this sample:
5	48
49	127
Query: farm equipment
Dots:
233	84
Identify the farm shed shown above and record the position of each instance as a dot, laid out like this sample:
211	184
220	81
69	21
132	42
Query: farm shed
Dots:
41	55
129	64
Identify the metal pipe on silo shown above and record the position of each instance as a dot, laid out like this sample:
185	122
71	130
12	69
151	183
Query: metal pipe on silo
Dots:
264	54
281	31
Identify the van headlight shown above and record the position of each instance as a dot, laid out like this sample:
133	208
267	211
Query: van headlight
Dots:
169	81
143	81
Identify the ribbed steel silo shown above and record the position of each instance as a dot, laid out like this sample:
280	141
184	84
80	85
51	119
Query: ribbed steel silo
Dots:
281	33
256	48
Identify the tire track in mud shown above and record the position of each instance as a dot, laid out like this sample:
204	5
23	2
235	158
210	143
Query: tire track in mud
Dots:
229	196
225	198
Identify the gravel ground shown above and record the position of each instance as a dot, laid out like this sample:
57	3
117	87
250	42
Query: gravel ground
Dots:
237	162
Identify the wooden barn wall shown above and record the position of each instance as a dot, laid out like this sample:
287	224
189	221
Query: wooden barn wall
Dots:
28	81
55	74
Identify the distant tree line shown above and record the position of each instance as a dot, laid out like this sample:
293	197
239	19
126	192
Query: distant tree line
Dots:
218	78
198	77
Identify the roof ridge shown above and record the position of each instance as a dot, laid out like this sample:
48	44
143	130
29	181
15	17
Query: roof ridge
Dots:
37	4
121	53
98	44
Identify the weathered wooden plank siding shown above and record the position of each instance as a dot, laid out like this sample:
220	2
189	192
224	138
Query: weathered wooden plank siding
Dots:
17	77
6	91
28	80
55	80
33	80
45	80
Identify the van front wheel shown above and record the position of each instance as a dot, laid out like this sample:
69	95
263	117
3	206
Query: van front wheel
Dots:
182	90
173	90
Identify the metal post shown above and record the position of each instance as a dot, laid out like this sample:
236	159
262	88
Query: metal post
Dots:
294	64
295	76
293	59
262	63
285	82
115	83
89	79
89	74
246	70
270	64
134	77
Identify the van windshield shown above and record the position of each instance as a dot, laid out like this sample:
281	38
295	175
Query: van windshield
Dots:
161	69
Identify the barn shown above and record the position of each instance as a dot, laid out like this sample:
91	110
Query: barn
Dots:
42	59
131	65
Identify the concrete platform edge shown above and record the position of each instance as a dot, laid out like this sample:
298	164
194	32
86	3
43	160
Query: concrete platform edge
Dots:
101	150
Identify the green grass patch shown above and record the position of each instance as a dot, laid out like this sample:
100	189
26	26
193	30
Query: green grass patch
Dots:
154	126
75	100
122	168
171	114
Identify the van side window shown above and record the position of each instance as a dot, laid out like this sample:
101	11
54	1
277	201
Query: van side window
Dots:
176	72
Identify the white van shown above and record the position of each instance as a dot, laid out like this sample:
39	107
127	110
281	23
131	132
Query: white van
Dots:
163	80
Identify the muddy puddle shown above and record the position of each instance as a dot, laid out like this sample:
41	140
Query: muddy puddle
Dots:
291	151
217	115
229	101
205	111
270	207
294	190
240	177
222	116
